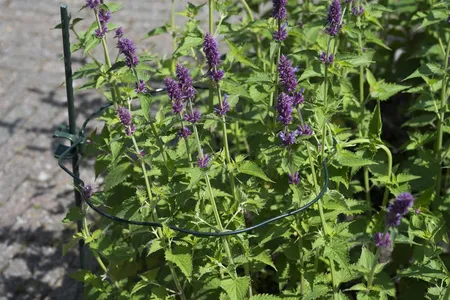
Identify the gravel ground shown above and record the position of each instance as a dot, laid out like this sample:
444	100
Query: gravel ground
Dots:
35	193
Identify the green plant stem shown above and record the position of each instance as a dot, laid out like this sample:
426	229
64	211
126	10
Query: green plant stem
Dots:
302	265
389	156
372	270
325	102
107	60
211	195
156	219
440	131
258	40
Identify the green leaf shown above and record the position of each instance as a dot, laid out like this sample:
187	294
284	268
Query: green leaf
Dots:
145	101
376	124
366	260
85	71
236	288
70	244
157	31
74	214
182	261
381	90
187	44
250	168
117	175
350	159
111	6
237	54
265	297
265	258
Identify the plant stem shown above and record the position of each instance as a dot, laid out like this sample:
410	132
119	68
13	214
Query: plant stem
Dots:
325	102
440	131
107	58
389	156
211	195
374	265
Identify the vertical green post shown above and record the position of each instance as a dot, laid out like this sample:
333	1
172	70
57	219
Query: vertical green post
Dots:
72	119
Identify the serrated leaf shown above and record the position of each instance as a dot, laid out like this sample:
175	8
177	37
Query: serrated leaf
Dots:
350	159
187	44
236	288
70	244
250	168
237	54
74	214
145	101
375	125
265	258
157	31
117	175
182	260
265	297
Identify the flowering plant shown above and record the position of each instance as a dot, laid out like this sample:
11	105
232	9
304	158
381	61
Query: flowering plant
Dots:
292	109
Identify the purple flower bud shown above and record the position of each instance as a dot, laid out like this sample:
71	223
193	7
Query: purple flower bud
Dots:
382	240
285	108
304	130
326	60
193	117
126	46
184	132
88	191
448	20
119	32
417	211
203	161
173	89
334	18
393	219
140	87
294	178
287	74
177	106
132	61
348	1
279	9
221	110
92	4
298	97
216	75
129	130
142	153
211	50
287	138
124	116
358	12
104	16
280	35
101	33
185	80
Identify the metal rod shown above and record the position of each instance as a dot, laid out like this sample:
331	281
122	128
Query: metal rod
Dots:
72	118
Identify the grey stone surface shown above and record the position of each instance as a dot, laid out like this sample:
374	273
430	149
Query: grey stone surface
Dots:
34	193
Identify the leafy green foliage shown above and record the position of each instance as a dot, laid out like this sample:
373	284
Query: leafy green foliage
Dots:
378	113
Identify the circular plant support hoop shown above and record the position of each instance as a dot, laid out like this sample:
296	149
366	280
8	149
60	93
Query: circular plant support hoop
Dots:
79	183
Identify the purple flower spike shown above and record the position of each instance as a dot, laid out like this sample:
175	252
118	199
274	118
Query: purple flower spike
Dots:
334	18
285	108
280	35
88	191
92	4
185	80
402	203
304	130
104	16
294	178
177	106
382	240
127	48
203	162
193	117
184	132
393	219
211	50
124	116
222	110
287	74
298	98
101	33
287	138
130	130
279	9
140	87
119	32
216	75
173	89
358	12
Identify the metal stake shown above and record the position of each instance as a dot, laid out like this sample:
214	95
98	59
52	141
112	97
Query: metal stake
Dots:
72	118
